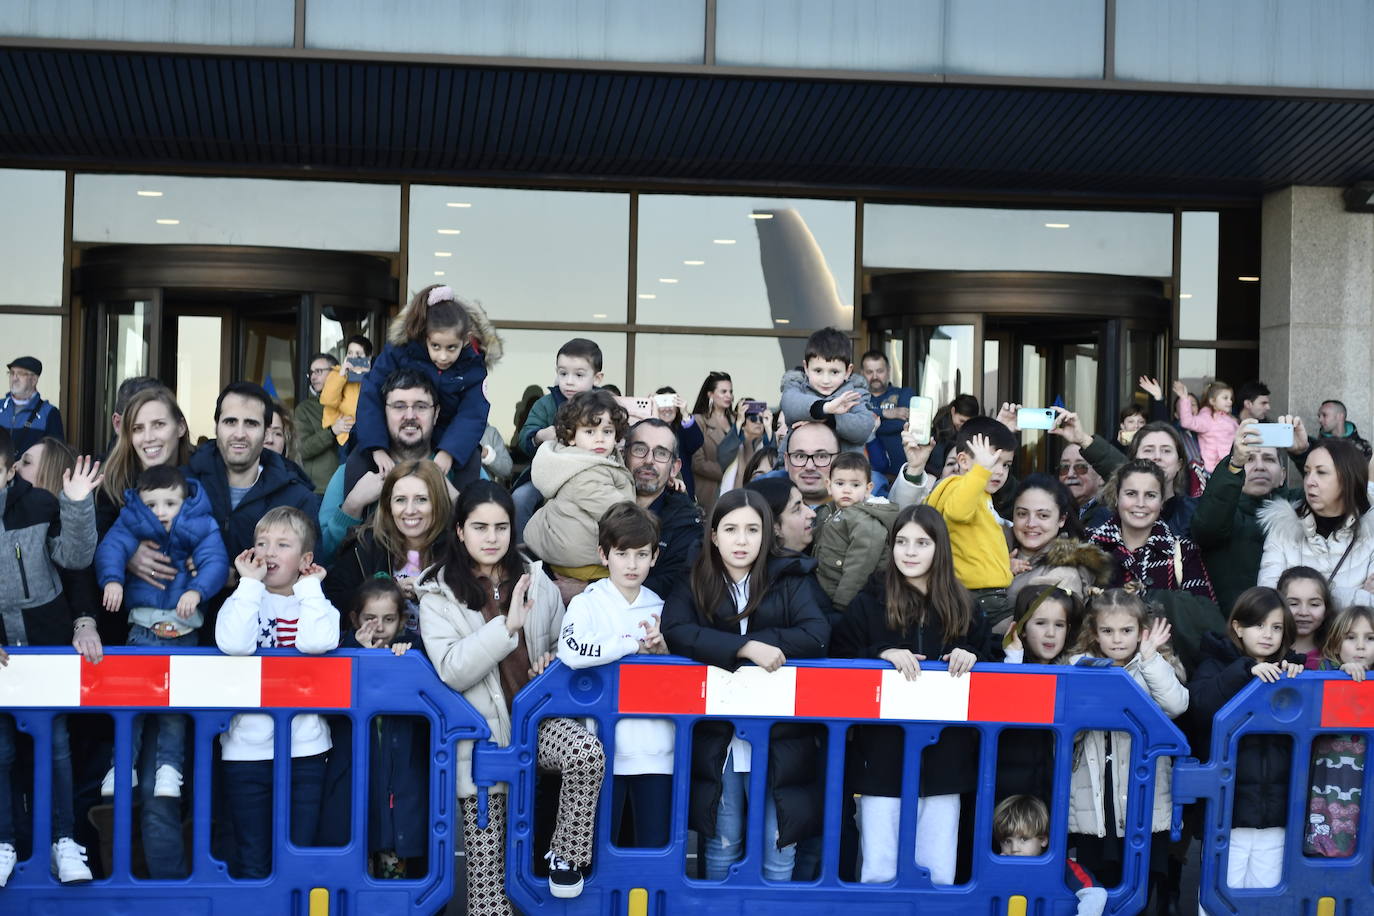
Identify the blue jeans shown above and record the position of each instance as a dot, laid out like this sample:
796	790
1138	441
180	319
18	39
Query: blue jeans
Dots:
171	729
249	787
727	846
527	500
650	796
63	818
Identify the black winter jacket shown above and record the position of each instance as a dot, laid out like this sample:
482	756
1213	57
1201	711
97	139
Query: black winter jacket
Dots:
1263	762
281	483
679	540
359	559
42	539
789	618
874	763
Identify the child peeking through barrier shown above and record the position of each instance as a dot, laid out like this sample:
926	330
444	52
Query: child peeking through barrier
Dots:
278	604
1021	827
614	618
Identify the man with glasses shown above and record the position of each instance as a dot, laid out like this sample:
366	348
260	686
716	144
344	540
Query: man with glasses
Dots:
23	411
809	449
319	449
1084	485
409	402
652	458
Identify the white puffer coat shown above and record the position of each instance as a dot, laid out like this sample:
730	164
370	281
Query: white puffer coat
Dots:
578	486
1292	540
466	650
1164	683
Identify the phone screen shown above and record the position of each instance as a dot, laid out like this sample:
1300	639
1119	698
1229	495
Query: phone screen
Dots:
921	414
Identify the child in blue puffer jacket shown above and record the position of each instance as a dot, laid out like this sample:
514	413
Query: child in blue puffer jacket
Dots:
166	508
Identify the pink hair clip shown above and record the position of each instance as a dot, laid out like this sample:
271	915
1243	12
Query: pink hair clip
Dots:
440	294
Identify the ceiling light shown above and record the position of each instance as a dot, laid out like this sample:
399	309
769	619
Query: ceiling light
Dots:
1248	279
694	263
438	273
760	216
667	279
1056	225
450	231
443	254
148	193
169	222
782	321
1185	295
723	241
599	315
647	296
457	204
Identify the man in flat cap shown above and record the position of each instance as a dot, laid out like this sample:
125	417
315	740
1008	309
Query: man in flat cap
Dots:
23	411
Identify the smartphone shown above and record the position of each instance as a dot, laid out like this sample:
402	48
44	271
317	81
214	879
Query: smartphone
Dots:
644	407
357	367
754	408
664	400
920	416
1275	435
1035	417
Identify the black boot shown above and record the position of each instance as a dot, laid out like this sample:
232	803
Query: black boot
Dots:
1166	889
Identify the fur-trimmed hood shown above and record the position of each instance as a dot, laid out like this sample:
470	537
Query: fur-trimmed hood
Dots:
1280	520
1072	552
485	339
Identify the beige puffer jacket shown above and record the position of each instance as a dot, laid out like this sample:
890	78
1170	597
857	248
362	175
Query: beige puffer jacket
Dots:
577	486
466	650
1163	681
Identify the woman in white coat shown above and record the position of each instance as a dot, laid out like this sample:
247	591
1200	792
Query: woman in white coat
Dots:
1331	530
491	622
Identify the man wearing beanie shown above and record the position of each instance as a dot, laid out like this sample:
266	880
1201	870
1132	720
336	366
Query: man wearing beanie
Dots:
23	411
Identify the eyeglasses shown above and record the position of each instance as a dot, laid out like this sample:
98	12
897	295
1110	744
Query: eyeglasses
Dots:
403	407
320	371
819	459
640	449
1080	469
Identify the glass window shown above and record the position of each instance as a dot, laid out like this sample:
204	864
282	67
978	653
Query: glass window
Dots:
262	23
1246	42
528	361
944	362
164	210
1060	38
666	31
525	255
1195	369
199	370
745	262
39	336
755	364
1197	307
978	238
31	247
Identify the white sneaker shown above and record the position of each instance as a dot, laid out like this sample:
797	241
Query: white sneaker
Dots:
7	860
167	782
107	784
69	861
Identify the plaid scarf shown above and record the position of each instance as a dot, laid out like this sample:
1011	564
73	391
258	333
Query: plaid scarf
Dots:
1162	562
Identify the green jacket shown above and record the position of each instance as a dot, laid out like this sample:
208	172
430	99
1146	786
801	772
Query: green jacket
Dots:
1229	535
850	545
318	447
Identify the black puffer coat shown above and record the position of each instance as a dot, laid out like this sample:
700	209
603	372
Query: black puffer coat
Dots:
789	618
874	764
1263	762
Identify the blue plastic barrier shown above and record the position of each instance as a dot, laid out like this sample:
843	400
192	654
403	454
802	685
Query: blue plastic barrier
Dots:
837	696
209	688
1305	707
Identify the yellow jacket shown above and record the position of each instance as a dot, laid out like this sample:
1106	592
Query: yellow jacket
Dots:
340	399
981	559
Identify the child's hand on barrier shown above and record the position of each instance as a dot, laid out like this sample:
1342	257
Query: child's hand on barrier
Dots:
400	648
1153	637
769	658
86	640
1355	670
652	642
904	661
1269	672
538	665
249	566
960	662
112	598
187	604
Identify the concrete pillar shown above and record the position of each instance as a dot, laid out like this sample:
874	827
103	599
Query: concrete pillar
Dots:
1317	305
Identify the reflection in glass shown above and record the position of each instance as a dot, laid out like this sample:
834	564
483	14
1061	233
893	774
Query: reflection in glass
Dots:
529	359
525	255
745	262
945	361
164	210
40	336
1080	383
666	31
1197	277
979	238
1061	38
31	245
992	350
199	370
338	323
755	364
270	344
126	345
1144	350
263	23
1196	368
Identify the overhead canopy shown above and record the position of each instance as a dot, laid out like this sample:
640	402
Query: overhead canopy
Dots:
62	107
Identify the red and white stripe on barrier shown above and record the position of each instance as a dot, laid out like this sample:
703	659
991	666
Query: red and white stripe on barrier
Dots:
178	681
837	693
1347	704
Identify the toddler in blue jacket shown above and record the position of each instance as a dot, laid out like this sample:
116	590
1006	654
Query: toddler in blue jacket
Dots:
173	512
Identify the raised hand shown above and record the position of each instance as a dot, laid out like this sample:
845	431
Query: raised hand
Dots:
983	452
1299	445
368	636
844	403
81	480
905	661
520	605
916	454
314	571
1153	637
1068	428
1179	389
1006	415
1151	387
1246	441
249	566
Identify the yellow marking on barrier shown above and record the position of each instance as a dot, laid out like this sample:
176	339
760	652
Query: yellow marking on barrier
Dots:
1016	906
319	901
639	902
1326	906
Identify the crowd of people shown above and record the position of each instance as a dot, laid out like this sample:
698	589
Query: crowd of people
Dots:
385	513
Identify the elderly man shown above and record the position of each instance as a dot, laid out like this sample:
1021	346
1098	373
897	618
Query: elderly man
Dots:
23	411
652	458
1224	525
1084	485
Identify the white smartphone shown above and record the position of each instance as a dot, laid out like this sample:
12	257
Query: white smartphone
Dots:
1035	417
1275	435
664	400
920	416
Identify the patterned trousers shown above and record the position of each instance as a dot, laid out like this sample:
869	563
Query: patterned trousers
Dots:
566	747
486	857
